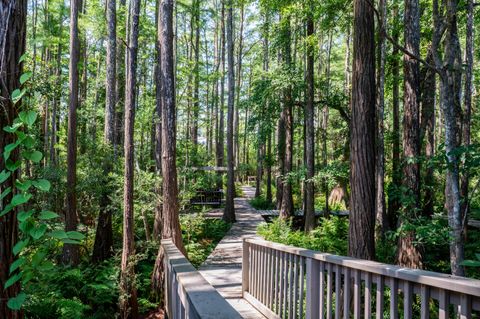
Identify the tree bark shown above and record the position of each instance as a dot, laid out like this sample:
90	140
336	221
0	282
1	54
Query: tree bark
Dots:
394	188
382	222
465	207
450	88
70	252
221	121
310	130
408	253
102	248
362	143
158	222
128	299
286	209
171	222
229	212
13	25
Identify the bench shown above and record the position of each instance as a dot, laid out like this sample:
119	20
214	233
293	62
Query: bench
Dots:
207	197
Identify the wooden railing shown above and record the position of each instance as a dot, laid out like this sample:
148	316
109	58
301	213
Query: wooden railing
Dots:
187	293
287	282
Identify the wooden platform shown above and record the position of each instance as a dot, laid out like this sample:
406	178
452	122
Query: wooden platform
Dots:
223	268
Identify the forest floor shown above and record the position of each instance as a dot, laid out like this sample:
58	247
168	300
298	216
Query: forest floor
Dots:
223	268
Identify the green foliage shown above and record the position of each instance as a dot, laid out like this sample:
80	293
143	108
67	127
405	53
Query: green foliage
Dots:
201	235
261	203
329	237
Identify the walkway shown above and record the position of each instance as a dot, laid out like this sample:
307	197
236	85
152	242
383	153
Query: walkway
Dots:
223	268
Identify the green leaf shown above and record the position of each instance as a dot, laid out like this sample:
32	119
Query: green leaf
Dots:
23	216
27	276
34	156
12	280
13	128
17	302
4	175
59	234
28	117
46	214
38	232
38	258
9	148
23	186
471	263
8	208
17	95
42	184
16	264
71	241
75	235
20	245
45	266
13	166
25	77
5	193
20	199
23	57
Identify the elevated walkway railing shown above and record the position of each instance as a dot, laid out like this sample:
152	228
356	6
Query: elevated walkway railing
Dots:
287	282
187	293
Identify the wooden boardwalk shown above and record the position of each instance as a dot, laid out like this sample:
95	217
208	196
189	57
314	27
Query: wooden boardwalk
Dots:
223	268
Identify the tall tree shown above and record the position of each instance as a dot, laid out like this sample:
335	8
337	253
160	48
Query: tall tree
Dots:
450	87
394	187
229	212
171	223
362	137
467	115
104	234
220	152
286	208
380	148
70	251
13	25
128	299
408	253
310	129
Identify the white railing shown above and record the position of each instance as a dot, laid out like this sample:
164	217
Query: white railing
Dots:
187	293
288	282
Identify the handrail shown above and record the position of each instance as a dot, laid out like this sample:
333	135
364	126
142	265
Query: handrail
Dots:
282	280
187	293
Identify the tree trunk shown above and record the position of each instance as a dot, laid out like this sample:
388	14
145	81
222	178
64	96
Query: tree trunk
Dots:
427	133
382	223
102	248
310	130
393	198
120	86
13	25
229	212
171	222
450	101
286	209
362	142
465	207
70	252
236	119
221	121
408	253
158	223
128	299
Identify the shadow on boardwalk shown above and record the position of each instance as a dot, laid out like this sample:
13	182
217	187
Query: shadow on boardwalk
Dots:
223	268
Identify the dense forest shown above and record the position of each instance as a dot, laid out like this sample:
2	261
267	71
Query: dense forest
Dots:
115	115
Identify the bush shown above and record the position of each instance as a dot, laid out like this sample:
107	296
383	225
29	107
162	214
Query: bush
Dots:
331	236
261	203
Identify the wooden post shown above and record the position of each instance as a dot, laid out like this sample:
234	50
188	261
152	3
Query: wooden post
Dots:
245	266
313	272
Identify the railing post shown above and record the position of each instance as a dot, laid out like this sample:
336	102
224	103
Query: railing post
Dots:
313	275
245	266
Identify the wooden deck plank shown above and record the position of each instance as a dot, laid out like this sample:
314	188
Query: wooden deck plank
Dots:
223	268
